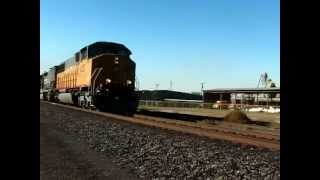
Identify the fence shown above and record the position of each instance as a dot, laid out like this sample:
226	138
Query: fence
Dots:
245	107
174	104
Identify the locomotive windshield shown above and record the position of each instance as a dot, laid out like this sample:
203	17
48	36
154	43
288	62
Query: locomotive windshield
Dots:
104	47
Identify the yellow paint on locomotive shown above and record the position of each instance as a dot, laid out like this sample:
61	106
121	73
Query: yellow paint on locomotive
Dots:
67	78
84	73
78	75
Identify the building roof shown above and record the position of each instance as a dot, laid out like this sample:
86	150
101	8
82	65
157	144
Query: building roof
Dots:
244	90
183	100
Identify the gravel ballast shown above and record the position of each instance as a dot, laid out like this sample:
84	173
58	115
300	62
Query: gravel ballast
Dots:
153	153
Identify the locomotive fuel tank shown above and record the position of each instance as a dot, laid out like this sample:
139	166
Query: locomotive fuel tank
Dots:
65	98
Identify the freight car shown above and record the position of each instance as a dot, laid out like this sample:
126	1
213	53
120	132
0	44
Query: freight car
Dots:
99	76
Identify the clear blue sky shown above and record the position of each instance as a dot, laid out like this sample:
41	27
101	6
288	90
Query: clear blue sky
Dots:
224	43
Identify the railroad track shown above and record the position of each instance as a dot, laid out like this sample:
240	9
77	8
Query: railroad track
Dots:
254	137
259	139
232	128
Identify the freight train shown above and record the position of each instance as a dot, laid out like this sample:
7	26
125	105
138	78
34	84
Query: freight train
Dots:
99	76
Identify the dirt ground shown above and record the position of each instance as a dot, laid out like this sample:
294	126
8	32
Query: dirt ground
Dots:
255	116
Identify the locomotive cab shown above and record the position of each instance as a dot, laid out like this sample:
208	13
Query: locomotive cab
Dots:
116	75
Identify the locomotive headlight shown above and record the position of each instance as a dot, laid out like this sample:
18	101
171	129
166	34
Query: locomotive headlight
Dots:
129	82
108	80
116	60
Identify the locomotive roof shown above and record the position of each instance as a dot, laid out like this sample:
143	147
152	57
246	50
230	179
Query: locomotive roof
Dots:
112	45
107	45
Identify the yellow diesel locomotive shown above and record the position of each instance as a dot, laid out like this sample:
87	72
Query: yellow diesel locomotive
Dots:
99	76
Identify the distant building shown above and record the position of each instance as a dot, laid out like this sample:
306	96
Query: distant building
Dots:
253	96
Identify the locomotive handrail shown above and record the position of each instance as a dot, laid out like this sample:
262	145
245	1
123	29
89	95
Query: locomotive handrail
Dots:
95	78
92	75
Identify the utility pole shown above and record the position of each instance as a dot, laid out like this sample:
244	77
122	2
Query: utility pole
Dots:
202	85
170	85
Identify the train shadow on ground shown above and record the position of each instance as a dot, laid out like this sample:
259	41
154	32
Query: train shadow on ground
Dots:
178	116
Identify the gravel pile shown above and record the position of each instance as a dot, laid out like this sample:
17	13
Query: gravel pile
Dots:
160	154
237	116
